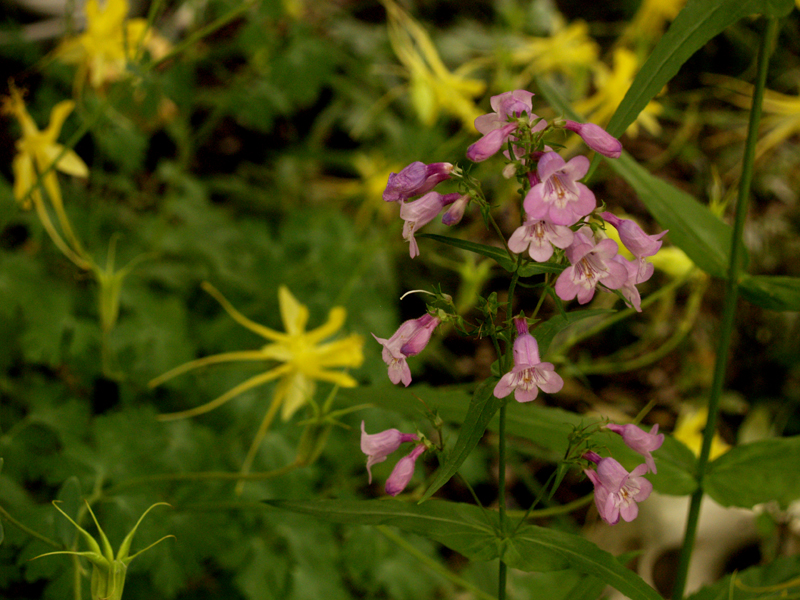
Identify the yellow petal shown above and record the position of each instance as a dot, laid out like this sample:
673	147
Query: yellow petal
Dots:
336	318
340	353
23	178
70	163
293	314
240	318
58	115
298	389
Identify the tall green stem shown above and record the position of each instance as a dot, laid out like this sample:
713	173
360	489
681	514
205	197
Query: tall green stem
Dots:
729	304
501	497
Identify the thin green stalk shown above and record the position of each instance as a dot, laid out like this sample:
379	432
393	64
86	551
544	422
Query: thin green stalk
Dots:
501	497
729	303
432	564
35	534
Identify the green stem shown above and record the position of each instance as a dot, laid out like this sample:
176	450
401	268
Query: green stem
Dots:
432	564
729	304
501	497
35	534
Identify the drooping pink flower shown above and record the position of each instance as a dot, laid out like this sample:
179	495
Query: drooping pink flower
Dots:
420	212
490	144
409	339
415	180
628	289
455	213
591	264
380	445
640	441
559	197
638	242
403	471
538	237
616	492
597	138
529	374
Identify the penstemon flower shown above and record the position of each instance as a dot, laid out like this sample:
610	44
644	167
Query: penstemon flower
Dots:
378	446
409	340
640	441
616	492
591	264
637	241
597	138
420	212
538	237
529	373
403	471
495	126
559	197
414	180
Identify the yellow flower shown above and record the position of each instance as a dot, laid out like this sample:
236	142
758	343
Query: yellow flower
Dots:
303	356
433	87
650	19
37	150
109	43
612	86
568	50
689	430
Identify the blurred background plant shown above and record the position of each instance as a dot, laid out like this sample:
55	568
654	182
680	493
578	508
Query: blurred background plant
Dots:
247	145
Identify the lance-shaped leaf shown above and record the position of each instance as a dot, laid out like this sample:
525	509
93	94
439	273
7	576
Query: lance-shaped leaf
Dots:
545	332
474	532
771	291
481	409
499	255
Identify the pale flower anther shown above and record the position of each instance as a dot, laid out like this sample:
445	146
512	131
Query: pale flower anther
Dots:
416	179
403	471
591	265
616	492
409	340
380	445
640	441
529	374
559	197
597	138
538	237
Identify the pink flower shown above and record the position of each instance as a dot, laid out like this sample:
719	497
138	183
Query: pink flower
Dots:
559	197
638	242
640	441
380	445
495	126
591	264
597	138
420	212
415	180
456	211
403	471
409	340
529	374
538	237
616	491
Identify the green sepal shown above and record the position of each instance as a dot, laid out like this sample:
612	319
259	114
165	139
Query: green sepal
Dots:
122	553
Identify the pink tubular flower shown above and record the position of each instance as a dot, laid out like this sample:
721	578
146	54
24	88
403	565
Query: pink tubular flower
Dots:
403	471
591	264
415	180
538	238
638	242
616	491
456	211
380	445
529	374
495	126
640	441
559	197
420	212
597	138
409	339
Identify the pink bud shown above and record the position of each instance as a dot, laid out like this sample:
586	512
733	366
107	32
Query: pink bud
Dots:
597	138
403	471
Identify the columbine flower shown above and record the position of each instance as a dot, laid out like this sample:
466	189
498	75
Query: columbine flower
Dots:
597	138
529	373
380	445
591	264
109	42
303	355
403	471
419	213
569	49
409	340
640	441
616	491
538	237
37	150
559	197
495	126
415	180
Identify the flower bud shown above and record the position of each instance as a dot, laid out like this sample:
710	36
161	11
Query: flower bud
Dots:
597	138
403	471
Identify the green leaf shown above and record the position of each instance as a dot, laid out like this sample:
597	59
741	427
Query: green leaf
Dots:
756	582
692	226
545	332
534	268
499	255
481	409
771	291
755	473
69	497
473	532
696	24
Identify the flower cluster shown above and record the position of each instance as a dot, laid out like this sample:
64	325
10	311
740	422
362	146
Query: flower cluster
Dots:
379	446
616	491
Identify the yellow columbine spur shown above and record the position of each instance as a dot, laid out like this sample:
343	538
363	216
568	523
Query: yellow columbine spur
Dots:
303	355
